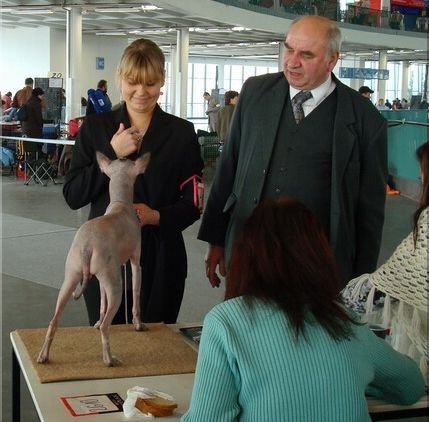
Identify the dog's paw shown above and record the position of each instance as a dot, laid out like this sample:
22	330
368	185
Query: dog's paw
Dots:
113	361
42	358
140	327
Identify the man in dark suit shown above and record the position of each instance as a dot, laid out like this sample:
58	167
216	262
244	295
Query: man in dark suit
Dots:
330	152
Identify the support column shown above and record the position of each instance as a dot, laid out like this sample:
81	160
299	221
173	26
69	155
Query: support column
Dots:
359	82
382	64
173	79
281	53
405	77
73	50
182	58
220	78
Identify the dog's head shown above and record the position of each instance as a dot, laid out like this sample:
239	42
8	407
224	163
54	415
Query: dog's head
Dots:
123	165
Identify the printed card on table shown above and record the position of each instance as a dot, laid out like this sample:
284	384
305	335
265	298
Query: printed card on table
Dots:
93	404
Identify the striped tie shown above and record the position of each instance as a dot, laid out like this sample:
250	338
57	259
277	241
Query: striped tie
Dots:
297	101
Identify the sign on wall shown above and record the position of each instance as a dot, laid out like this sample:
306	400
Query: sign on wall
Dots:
363	73
99	63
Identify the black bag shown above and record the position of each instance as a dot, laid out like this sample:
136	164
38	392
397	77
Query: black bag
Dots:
22	113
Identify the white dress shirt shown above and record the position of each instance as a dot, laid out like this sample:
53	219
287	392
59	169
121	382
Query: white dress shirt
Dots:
319	94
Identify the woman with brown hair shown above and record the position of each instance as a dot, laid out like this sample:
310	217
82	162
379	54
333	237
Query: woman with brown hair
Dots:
282	347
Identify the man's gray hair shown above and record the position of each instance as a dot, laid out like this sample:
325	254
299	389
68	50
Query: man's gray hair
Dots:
333	34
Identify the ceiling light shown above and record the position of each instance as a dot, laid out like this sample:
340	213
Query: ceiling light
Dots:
240	28
224	30
155	31
148	31
111	33
32	11
146	7
117	9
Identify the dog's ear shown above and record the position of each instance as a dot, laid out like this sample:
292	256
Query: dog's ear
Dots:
141	163
102	161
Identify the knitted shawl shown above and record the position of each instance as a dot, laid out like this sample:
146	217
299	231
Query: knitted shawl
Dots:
403	279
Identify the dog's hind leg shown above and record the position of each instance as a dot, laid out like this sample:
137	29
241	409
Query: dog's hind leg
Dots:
71	281
103	306
113	289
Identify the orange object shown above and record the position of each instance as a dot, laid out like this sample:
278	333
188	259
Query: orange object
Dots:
157	406
20	172
391	191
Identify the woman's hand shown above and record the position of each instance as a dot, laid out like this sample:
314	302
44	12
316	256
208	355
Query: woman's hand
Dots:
126	141
146	215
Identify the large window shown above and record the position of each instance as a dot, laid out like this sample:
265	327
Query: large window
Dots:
206	77
416	80
394	84
231	76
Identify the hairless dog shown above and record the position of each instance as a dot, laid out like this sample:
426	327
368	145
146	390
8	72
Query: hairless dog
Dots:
99	248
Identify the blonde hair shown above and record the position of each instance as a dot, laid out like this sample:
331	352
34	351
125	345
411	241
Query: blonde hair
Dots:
142	62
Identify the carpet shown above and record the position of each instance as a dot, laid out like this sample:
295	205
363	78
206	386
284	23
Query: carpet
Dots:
76	353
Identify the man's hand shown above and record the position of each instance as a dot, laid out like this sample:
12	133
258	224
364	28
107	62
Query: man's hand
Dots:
215	256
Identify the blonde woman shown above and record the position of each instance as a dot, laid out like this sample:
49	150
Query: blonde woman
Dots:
164	196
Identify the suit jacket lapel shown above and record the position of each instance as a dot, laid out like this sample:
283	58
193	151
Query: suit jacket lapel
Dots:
344	138
271	112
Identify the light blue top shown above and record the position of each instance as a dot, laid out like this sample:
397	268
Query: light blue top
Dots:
250	368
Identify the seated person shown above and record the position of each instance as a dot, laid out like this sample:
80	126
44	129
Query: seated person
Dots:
395	296
282	347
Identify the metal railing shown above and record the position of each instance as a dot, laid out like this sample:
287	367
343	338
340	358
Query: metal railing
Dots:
402	19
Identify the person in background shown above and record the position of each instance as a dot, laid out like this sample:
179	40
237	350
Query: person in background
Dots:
380	105
395	296
33	126
366	92
20	98
396	104
7	98
24	94
102	89
423	105
282	347
224	114
388	104
404	104
278	147
165	196
212	110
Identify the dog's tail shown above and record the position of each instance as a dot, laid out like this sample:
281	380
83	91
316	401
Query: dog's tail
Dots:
86	258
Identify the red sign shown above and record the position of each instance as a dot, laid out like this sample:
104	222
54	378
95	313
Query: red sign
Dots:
408	3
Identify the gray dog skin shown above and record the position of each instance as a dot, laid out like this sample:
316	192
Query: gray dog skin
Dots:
99	248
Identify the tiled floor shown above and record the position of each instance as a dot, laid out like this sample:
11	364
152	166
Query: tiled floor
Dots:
37	228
